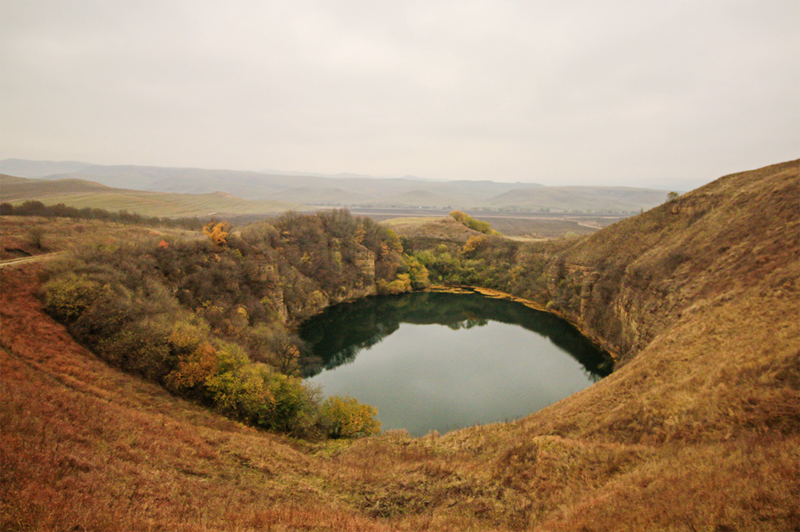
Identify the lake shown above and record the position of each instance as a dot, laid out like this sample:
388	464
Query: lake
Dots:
439	361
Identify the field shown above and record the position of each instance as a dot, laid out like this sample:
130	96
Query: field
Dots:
539	228
513	225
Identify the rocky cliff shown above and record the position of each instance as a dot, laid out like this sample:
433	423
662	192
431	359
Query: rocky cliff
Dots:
628	283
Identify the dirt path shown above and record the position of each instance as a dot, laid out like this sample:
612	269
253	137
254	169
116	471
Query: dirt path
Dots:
26	260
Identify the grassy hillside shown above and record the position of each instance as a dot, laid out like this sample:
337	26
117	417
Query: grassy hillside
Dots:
587	199
26	236
697	429
7	180
19	188
80	193
431	231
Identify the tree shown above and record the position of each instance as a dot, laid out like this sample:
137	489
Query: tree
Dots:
36	236
672	196
218	233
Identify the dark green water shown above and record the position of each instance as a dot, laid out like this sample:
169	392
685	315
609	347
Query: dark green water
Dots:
434	361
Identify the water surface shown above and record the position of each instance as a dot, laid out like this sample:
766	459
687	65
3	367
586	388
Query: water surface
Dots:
436	361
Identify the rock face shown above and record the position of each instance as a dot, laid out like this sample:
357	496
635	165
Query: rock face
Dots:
317	300
365	262
629	282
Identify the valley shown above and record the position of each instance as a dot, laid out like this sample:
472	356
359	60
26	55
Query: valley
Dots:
697	428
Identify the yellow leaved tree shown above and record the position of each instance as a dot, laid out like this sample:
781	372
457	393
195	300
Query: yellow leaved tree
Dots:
217	232
345	417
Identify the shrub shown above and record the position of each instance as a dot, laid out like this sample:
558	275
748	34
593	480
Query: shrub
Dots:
243	392
141	347
345	417
194	369
475	243
68	296
217	232
472	223
418	274
401	284
293	406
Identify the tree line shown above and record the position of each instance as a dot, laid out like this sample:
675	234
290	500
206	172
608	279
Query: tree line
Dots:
37	208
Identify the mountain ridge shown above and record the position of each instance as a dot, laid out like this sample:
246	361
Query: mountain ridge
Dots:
363	191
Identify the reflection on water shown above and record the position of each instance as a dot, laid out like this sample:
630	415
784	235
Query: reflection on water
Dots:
437	361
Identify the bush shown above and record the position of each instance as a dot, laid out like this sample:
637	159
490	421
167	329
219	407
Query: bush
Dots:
400	285
418	274
243	392
473	245
141	347
345	417
68	296
293	406
472	223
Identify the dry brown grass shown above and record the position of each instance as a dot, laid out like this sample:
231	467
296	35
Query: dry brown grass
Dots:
537	228
84	445
35	235
88	447
435	229
698	431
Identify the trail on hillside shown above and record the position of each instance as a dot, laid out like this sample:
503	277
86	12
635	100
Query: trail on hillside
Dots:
28	260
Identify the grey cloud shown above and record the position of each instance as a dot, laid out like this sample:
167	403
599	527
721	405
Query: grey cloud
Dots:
561	92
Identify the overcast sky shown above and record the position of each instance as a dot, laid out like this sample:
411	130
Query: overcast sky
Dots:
556	92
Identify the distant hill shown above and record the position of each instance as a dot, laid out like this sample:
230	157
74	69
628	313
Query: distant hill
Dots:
24	168
319	196
580	198
6	180
19	188
347	190
416	198
81	193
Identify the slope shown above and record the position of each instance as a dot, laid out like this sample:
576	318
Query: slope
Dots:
595	199
80	193
35	169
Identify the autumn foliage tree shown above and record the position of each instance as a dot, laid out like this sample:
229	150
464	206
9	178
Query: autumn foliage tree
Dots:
345	417
217	232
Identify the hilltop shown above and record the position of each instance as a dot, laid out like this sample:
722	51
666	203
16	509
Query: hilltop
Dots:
698	428
81	193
